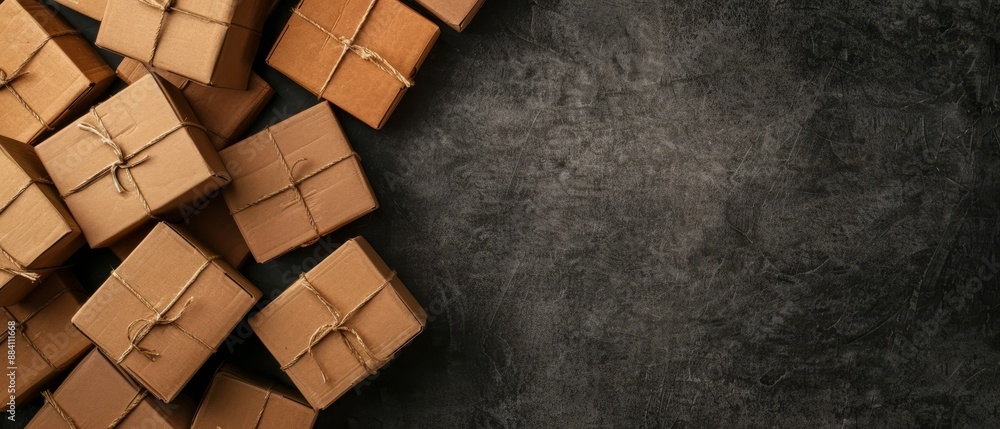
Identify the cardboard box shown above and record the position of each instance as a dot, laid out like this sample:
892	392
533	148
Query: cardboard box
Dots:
227	113
97	395
366	78
37	232
456	13
237	400
211	224
339	323
209	42
166	159
165	310
295	182
46	341
93	9
48	72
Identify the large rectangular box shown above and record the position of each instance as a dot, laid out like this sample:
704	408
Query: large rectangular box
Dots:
37	232
48	72
339	323
360	55
139	155
165	310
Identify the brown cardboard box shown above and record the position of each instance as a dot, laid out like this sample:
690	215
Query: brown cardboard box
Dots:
46	341
166	160
97	395
227	113
93	9
339	323
210	42
295	182
237	400
165	310
37	232
368	77
456	13
48	72
211	225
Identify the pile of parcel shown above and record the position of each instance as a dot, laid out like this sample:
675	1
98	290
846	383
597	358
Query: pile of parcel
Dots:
123	174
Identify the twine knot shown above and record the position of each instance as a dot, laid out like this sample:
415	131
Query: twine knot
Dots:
7	80
146	325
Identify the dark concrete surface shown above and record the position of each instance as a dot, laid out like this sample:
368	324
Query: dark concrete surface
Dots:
639	214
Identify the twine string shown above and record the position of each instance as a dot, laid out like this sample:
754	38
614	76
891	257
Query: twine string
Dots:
51	401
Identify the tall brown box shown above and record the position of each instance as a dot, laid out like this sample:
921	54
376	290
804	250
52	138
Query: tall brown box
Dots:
93	9
165	310
456	13
366	77
339	323
227	113
137	156
37	232
48	72
97	395
295	182
237	400
209	42
46	341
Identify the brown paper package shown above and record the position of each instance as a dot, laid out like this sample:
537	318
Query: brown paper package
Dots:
237	400
227	113
37	232
209	42
166	160
97	395
48	72
313	187
93	9
456	13
211	225
165	310
315	51
351	295
47	343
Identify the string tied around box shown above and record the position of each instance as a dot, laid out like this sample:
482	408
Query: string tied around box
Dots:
361	51
146	324
166	7
7	79
294	184
339	327
18	269
22	326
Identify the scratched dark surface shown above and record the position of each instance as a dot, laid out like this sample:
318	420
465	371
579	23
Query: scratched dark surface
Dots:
682	214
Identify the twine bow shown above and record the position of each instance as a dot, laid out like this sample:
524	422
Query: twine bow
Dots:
339	327
123	163
349	46
136	400
146	324
7	79
293	183
18	268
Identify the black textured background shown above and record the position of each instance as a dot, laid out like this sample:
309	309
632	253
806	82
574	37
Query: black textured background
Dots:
653	213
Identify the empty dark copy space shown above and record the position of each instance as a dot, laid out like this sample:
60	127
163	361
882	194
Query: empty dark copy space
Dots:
711	213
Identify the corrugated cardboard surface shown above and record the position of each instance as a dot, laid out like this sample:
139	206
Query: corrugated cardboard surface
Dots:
237	400
215	51
44	317
397	33
226	112
179	169
212	225
96	393
158	269
456	13
66	76
93	9
36	229
309	141
390	320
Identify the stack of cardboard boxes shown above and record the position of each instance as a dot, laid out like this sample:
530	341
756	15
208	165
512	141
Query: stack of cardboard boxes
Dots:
158	173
